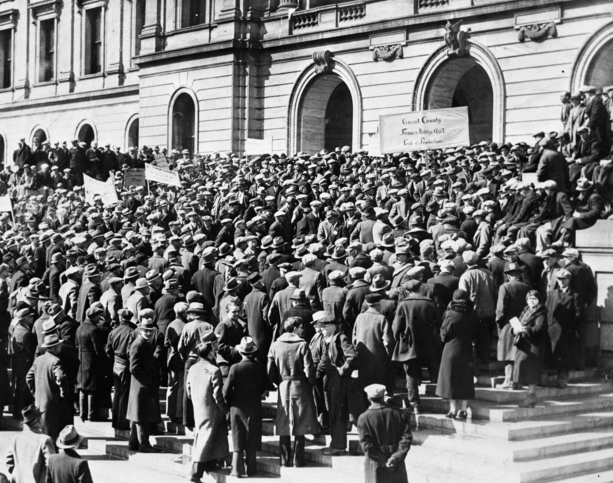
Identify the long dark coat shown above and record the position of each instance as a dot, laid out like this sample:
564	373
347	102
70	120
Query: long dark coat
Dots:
531	347
415	328
511	303
385	432
92	357
455	377
68	467
243	390
204	387
203	281
354	300
564	319
290	366
144	401
88	294
256	308
49	383
374	342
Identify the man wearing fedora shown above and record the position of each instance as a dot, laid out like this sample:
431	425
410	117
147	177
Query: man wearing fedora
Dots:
92	357
117	350
52	275
67	466
28	453
144	399
23	348
138	301
49	383
256	308
229	334
243	389
203	279
385	437
191	335
358	289
89	292
511	303
164	307
111	301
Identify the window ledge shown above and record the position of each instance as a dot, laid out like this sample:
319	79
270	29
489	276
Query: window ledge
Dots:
45	83
7	89
92	76
202	26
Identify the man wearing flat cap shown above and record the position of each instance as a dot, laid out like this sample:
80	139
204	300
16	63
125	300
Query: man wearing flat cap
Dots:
358	290
565	311
385	437
93	363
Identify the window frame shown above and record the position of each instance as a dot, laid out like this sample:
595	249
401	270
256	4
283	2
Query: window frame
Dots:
53	39
86	7
8	23
41	12
208	19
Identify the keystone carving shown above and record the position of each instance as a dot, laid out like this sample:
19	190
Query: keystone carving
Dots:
387	52
456	39
322	61
537	32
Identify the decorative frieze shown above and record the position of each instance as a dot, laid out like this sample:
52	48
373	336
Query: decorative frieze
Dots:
537	32
387	52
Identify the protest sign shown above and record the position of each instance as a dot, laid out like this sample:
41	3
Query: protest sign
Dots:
5	203
160	175
374	145
420	130
258	146
106	190
135	177
161	161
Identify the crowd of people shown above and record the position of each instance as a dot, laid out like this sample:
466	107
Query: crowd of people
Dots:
320	276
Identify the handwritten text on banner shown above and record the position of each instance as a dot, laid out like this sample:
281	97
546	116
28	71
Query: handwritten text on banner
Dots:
162	175
433	129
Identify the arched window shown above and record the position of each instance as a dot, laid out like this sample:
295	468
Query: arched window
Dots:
39	135
86	134
184	123
132	136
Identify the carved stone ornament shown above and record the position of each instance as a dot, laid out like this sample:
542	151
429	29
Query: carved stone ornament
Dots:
387	52
322	61
537	32
456	39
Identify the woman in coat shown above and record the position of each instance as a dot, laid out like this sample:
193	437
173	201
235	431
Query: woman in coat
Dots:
531	344
455	378
243	389
203	386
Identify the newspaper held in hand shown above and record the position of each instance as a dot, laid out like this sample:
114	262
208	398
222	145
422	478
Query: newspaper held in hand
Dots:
516	324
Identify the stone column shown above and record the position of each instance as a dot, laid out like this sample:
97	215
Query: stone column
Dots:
151	35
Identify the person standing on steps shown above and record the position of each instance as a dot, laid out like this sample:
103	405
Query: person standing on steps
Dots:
204	386
246	382
144	399
530	345
511	302
291	368
385	436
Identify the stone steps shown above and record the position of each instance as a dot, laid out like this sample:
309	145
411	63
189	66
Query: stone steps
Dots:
490	379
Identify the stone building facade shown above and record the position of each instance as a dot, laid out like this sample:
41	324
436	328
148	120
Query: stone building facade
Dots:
207	74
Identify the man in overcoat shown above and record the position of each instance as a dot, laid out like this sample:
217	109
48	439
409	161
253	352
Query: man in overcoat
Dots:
355	295
256	309
144	399
92	358
117	350
416	328
23	348
89	293
243	389
176	365
291	368
565	311
385	436
48	382
338	361
67	466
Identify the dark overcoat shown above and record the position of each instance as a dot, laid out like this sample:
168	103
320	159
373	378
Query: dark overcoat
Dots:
511	303
68	467
564	319
455	377
144	401
88	294
256	308
243	390
531	347
90	344
415	328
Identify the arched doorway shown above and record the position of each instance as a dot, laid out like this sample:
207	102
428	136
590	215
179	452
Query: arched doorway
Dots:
325	118
39	134
132	139
594	62
86	134
183	123
463	82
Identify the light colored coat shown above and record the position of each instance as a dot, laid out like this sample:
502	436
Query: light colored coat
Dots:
27	456
204	386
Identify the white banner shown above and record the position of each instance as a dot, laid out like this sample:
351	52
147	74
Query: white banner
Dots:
160	175
134	177
374	145
258	146
419	130
5	203
161	161
106	190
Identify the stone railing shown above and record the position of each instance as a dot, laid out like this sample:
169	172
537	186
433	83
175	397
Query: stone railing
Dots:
328	16
432	3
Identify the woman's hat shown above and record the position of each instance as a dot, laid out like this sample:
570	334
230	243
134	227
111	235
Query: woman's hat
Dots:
69	438
247	346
